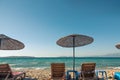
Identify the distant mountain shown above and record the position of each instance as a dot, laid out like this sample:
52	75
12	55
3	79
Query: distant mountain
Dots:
111	55
107	55
19	57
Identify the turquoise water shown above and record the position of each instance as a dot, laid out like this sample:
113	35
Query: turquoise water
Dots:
101	62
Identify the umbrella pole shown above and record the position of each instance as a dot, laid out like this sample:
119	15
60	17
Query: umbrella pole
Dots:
0	43
73	56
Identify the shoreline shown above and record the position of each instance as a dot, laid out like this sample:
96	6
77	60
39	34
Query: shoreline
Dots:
77	68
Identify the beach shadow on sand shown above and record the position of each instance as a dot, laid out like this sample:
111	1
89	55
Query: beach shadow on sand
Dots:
29	79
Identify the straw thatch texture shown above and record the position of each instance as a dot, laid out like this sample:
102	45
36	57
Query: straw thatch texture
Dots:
118	46
80	40
7	43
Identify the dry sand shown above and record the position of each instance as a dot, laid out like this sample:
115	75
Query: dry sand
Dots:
44	74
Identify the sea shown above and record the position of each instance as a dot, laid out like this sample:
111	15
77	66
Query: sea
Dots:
44	62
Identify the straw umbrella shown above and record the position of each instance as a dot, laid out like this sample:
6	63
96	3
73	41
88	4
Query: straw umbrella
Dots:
74	40
7	43
117	46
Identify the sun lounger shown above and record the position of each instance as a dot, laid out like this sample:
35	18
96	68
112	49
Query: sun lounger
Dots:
57	71
116	75
103	74
75	73
88	71
7	74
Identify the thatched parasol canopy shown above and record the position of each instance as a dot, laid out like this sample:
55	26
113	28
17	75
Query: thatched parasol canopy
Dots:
79	40
7	43
117	46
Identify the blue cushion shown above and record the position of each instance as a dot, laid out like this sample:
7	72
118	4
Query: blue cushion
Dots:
117	75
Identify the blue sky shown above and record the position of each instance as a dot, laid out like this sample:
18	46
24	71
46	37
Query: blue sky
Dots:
40	23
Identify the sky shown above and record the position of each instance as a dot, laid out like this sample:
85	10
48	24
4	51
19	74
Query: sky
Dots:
40	23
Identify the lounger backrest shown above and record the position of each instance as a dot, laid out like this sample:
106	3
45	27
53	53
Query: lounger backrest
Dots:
57	70
88	69
5	70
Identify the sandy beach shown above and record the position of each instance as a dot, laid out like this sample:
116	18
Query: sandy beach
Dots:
44	74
